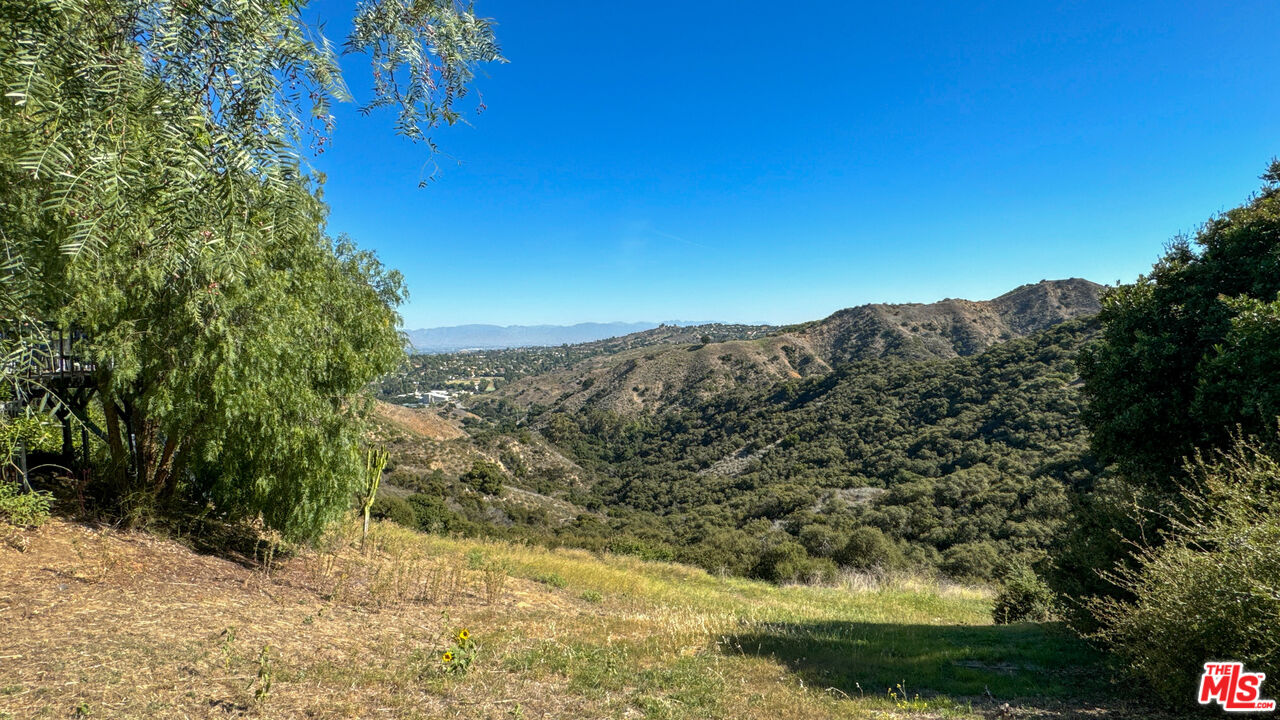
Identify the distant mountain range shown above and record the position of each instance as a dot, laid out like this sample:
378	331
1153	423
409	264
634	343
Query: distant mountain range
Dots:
641	375
494	337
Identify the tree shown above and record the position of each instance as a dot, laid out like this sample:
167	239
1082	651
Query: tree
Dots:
485	477
867	548
1189	351
152	194
1189	356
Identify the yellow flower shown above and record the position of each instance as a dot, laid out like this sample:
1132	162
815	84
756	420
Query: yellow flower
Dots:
463	634
447	657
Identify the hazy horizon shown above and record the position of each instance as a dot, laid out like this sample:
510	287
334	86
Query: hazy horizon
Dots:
729	321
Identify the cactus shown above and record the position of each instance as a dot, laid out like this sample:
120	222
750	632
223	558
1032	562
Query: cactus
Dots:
374	462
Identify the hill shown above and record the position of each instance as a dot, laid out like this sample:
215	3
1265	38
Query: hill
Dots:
493	337
654	375
100	623
962	465
432	448
484	369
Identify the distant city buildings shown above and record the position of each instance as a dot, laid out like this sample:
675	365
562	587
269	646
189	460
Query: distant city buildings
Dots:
417	398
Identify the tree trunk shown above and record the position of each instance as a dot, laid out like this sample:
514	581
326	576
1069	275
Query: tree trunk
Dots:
115	444
144	449
164	469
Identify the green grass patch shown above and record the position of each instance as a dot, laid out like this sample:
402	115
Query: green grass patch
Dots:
1008	661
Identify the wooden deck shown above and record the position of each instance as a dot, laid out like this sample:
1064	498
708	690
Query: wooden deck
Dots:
57	378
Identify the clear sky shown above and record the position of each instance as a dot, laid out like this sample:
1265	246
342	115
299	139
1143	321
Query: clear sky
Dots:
747	161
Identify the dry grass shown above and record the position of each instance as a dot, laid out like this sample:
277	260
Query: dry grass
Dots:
129	625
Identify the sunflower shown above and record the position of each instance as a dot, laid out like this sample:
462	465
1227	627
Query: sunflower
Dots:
447	657
463	634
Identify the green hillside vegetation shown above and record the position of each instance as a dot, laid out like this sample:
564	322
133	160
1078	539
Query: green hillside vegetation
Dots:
961	465
971	458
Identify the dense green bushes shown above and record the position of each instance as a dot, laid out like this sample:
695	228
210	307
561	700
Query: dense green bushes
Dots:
395	509
1191	350
1170	559
962	465
485	477
1023	597
23	509
1211	591
867	548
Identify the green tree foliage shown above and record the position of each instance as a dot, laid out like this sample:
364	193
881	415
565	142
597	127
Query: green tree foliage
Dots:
485	477
395	509
1023	597
1188	355
152	194
867	548
1103	523
1190	351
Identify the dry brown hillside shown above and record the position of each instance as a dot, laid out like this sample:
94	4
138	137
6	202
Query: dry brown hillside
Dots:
656	376
423	440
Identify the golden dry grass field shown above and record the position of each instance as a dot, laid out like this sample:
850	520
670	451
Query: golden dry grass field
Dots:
101	623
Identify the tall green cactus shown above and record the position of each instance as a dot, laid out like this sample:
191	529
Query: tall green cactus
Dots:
375	461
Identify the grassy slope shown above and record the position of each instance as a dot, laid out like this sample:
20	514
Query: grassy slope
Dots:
132	625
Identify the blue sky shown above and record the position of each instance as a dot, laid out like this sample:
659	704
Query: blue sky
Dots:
749	161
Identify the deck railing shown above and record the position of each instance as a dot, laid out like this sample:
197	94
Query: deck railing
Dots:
48	353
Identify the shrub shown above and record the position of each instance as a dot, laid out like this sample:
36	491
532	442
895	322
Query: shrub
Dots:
1099	536
867	548
821	540
639	548
972	561
485	477
729	551
433	515
553	579
782	561
23	509
396	509
1023	598
1210	591
820	570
